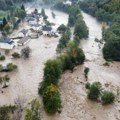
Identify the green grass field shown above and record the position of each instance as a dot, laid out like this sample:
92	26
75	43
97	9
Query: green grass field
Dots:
3	14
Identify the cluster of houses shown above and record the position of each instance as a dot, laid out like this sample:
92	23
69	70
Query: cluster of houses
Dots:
37	27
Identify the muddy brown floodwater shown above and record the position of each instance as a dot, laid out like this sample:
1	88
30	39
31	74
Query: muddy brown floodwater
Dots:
24	82
76	106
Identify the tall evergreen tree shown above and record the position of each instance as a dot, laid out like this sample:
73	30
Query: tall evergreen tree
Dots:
4	22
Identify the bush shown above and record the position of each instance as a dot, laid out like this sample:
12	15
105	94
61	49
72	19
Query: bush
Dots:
1	67
51	99
94	91
62	28
67	63
88	85
107	97
25	52
7	51
16	55
33	111
11	66
81	29
2	58
86	70
4	112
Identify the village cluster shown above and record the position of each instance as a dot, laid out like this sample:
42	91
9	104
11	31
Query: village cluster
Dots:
36	24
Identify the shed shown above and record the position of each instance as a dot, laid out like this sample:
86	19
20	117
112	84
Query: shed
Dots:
23	41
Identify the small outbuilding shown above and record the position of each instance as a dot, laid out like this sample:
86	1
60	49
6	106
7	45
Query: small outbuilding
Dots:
23	41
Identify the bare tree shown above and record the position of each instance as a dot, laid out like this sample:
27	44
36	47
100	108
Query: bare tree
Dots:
20	103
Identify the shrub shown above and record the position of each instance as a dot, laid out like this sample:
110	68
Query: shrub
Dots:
2	57
11	66
7	51
16	55
51	99
94	91
62	28
34	110
5	110
88	85
107	97
86	70
1	67
25	52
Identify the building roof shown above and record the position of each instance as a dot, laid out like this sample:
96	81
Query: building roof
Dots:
6	40
24	31
46	28
23	40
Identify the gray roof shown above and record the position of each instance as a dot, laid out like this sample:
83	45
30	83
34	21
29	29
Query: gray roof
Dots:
24	31
23	40
6	40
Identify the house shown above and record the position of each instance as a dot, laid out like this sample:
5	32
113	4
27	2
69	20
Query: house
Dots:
23	32
46	30
68	2
23	41
33	35
7	43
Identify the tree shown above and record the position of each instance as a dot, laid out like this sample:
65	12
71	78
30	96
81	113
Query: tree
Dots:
23	7
94	91
25	52
107	97
43	12
51	99
7	28
64	40
81	29
1	67
52	71
11	66
34	110
4	22
16	55
5	80
86	70
2	57
20	13
62	28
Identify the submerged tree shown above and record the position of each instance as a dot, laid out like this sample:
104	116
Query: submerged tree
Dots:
34	110
51	99
25	52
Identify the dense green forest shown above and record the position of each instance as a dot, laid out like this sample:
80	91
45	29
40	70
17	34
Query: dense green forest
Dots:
9	4
109	12
105	10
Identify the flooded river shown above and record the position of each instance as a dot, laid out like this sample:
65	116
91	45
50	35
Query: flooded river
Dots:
25	81
76	106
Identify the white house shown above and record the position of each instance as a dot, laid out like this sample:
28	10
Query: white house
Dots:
7	43
68	2
23	33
